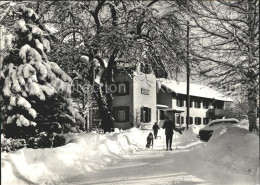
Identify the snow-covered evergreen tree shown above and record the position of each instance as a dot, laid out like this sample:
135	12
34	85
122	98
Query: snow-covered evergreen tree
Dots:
36	92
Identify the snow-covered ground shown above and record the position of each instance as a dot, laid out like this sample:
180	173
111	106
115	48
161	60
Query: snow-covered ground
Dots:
84	153
230	157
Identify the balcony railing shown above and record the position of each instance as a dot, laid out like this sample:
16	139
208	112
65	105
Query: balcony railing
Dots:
218	113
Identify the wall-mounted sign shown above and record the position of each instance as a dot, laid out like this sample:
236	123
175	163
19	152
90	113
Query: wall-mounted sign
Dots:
144	91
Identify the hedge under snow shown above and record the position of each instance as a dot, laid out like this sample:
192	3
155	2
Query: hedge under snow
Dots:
85	152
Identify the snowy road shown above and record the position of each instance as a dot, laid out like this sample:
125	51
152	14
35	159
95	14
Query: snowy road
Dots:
157	166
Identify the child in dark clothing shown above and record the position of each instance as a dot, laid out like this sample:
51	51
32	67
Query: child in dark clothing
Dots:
149	140
155	130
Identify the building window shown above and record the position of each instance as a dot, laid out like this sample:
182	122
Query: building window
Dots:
197	104
206	121
178	119
162	115
218	105
205	105
179	102
191	120
197	121
121	113
191	103
182	120
120	88
145	114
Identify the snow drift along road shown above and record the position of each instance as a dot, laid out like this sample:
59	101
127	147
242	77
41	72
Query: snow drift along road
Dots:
233	147
84	153
230	147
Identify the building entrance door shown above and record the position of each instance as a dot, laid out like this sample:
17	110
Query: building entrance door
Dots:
171	115
177	118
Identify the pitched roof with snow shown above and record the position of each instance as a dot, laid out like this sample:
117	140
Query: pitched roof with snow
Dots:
195	89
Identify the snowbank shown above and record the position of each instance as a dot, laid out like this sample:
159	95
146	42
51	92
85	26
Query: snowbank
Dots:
244	123
84	152
188	138
233	147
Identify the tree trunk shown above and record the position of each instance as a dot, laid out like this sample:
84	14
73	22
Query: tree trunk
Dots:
252	106
109	77
252	90
107	122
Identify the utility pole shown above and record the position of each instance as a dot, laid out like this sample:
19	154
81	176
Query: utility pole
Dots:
188	79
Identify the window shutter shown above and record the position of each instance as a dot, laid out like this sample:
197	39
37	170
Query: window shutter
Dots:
112	88
142	109
117	88
115	113
146	114
126	113
191	103
149	114
178	119
180	102
197	120
127	87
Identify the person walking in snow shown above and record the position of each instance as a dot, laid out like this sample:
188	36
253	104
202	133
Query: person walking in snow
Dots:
155	130
149	140
169	126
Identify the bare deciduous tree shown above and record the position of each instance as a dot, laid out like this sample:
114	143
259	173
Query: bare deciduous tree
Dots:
129	32
227	45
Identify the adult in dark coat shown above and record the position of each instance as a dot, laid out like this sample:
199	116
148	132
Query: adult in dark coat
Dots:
169	126
155	130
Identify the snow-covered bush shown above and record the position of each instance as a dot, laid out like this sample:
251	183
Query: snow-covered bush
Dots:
41	140
36	92
58	140
45	140
8	145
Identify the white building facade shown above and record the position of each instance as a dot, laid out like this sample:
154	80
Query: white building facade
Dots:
135	101
205	103
141	99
